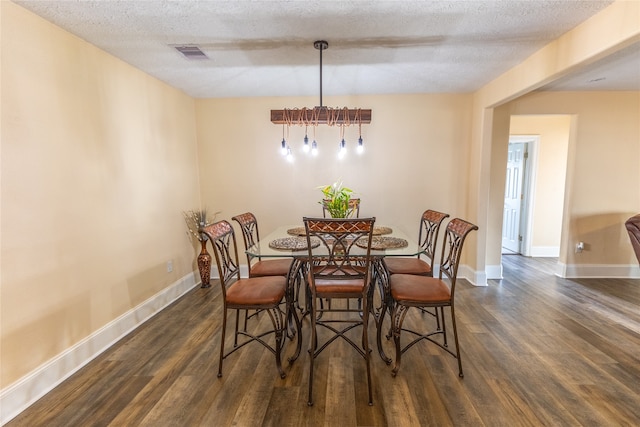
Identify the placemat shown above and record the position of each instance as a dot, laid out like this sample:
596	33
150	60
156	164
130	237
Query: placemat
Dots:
297	231
293	243
382	242
378	230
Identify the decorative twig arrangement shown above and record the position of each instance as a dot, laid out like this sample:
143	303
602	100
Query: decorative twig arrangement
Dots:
197	220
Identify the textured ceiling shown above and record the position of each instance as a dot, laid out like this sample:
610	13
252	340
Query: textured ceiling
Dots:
265	48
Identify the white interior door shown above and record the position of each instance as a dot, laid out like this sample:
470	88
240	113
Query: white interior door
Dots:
513	196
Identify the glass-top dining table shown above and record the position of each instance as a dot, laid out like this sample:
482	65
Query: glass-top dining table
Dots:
388	239
290	242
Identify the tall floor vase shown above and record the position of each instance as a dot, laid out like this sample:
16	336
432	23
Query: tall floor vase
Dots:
204	265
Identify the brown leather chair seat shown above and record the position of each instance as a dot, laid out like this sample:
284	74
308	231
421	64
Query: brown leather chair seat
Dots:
260	291
271	267
408	266
412	289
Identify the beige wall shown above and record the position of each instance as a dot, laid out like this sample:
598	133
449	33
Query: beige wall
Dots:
98	160
603	187
547	199
416	158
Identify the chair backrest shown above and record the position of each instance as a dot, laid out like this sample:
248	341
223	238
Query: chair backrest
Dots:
454	237
428	234
352	212
633	227
250	235
344	252
223	240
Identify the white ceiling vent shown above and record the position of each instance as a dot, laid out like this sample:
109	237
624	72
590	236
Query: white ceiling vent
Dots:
191	52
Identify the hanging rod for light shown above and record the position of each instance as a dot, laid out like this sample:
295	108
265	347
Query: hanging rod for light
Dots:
321	115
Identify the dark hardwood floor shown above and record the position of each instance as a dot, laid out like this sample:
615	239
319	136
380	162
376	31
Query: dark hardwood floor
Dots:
537	350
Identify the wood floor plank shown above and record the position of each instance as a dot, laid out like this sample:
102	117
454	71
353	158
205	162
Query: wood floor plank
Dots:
368	415
280	412
254	403
537	350
172	408
340	392
398	403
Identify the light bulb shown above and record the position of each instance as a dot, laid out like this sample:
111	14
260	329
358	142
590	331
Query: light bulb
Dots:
360	148
314	148
305	147
343	149
289	155
283	150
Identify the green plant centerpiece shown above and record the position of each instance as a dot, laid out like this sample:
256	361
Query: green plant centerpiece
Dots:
196	221
336	200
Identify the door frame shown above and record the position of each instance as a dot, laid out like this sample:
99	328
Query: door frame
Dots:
528	188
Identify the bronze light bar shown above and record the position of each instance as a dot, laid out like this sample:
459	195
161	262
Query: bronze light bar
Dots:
321	116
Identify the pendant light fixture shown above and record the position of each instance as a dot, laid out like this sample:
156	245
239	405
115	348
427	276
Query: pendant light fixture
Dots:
321	115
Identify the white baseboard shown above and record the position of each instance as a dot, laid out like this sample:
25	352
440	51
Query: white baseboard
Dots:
494	272
27	390
586	271
545	251
475	277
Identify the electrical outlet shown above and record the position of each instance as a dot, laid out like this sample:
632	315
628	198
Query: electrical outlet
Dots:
169	266
579	247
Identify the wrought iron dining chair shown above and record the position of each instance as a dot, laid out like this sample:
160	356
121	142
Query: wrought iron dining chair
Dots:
352	212
263	293
410	290
430	222
339	268
257	266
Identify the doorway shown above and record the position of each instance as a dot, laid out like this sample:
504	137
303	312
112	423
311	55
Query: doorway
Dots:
517	194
